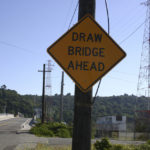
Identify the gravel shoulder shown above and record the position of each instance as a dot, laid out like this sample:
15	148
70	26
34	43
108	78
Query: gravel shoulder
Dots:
30	141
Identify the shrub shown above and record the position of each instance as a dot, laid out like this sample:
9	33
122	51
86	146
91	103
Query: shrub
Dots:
104	144
56	126
42	131
52	129
64	133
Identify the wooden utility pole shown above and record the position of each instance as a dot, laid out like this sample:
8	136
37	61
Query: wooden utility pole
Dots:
61	98
43	94
83	101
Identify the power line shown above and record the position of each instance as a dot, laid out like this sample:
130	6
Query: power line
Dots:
73	14
127	81
18	47
126	25
68	13
26	50
108	34
132	32
15	46
125	73
125	29
128	13
107	16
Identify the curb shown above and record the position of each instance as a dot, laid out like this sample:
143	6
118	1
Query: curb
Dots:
25	127
26	124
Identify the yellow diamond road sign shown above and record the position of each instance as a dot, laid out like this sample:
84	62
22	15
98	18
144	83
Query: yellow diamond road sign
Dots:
86	53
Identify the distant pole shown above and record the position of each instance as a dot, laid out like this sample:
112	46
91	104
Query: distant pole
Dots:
48	90
61	97
83	101
34	106
3	87
43	94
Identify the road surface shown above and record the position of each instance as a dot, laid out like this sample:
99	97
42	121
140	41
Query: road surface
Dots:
9	140
8	136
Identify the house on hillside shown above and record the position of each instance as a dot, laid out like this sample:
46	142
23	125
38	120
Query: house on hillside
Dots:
107	125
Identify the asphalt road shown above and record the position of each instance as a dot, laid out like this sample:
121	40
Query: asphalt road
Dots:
10	139
11	125
8	136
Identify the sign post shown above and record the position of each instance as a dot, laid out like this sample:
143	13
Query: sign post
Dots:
86	53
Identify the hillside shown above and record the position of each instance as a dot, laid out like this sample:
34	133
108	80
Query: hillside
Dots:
103	106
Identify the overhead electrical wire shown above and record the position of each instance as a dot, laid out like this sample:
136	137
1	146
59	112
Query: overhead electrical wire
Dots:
26	50
107	16
70	8
132	32
125	24
15	46
127	13
108	34
124	73
73	14
29	51
127	81
119	43
124	29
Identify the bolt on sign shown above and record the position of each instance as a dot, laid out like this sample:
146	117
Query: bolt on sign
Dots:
86	53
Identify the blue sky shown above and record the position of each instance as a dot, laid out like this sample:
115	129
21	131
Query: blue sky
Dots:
28	28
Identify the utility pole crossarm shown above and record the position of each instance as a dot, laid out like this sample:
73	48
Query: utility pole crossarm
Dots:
45	71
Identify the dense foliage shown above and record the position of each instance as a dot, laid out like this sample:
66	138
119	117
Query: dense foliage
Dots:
12	102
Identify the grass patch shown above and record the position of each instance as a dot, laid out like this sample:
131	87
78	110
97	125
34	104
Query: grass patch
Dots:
52	130
113	147
46	147
104	144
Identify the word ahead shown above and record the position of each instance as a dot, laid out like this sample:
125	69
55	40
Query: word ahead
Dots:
86	53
